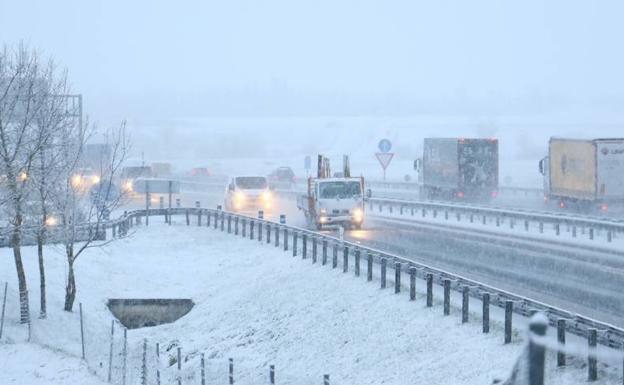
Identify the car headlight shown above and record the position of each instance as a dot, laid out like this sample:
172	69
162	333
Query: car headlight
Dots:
358	214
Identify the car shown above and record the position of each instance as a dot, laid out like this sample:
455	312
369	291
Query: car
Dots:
282	174
247	193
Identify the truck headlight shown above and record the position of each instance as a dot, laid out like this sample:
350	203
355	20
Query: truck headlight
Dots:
266	196
358	214
239	197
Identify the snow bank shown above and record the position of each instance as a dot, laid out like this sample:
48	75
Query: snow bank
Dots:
262	307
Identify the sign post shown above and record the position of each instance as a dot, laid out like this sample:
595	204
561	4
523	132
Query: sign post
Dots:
384	156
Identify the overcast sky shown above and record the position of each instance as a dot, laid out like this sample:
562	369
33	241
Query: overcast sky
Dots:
150	59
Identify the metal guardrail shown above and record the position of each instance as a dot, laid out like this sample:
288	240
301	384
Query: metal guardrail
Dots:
610	226
579	325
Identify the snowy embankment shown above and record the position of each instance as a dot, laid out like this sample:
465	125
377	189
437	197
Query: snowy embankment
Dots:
258	305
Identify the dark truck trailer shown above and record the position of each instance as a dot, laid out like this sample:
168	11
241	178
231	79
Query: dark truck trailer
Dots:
584	174
459	169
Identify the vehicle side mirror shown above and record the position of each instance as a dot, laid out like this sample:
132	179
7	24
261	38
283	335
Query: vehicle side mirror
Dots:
417	164
541	166
231	187
369	193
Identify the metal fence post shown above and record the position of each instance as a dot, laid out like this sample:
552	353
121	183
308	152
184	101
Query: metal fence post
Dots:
268	233
397	277
276	236
412	273
561	357
251	229
231	370
326	376
272	374
334	255
447	296
294	248
357	262
244	228
486	312
345	259
429	289
369	271
508	319
465	303
592	361
537	351
383	273
82	341
285	239
324	252
314	249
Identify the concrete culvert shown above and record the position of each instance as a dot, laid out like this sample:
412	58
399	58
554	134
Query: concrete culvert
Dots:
138	313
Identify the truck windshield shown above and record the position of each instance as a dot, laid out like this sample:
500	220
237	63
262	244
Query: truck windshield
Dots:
251	182
342	190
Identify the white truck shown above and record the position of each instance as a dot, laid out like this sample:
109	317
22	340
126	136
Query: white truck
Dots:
333	201
584	174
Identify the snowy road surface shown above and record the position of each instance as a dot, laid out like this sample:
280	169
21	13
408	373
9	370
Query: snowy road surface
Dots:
261	306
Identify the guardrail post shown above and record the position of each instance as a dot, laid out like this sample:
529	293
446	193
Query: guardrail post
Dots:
229	224
435	213
178	205
465	303
325	379
557	229
471	218
260	231
609	236
380	207
222	216
383	273
526	225
423	212
277	236
537	351
268	233
357	262
412	273
561	357
591	233
401	209
215	224
199	217
486	312
485	220
498	222
541	227
304	246
114	231
295	236
314	249
458	216
412	210
251	229
447	296
397	277
574	231
345	259
512	223
244	226
272	374
508	317
369	266
324	257
446	215
592	362
285	239
429	289
390	208
334	255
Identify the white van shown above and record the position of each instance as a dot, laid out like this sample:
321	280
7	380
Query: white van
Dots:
248	193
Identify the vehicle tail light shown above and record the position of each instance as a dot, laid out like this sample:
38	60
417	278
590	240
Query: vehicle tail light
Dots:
562	205
604	207
460	194
494	194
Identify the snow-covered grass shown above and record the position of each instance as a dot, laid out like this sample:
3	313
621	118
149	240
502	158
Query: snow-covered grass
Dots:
260	306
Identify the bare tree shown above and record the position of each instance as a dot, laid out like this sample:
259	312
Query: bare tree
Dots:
25	86
55	115
84	212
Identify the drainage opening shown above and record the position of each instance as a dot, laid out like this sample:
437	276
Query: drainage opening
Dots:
139	313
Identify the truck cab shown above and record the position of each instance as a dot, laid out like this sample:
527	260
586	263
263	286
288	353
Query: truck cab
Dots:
334	201
248	193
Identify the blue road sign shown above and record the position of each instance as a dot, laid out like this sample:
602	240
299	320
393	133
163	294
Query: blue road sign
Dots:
384	145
